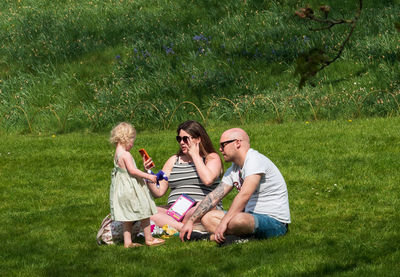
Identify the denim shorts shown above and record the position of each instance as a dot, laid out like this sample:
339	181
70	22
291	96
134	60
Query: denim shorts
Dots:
268	227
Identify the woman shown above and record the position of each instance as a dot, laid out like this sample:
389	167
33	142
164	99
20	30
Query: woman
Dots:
194	171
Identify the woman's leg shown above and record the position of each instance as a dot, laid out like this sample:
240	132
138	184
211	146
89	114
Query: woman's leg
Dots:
161	218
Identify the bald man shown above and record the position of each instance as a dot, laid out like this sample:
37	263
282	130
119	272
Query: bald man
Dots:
261	207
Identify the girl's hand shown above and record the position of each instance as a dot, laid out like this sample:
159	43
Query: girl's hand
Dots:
152	178
148	164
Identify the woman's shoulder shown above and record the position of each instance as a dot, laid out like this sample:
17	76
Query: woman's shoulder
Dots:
173	158
171	161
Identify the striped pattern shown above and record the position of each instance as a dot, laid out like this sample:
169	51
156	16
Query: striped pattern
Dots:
184	179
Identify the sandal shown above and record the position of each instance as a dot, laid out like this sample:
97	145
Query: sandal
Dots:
133	245
155	242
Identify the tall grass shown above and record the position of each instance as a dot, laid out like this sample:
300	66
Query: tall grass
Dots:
73	65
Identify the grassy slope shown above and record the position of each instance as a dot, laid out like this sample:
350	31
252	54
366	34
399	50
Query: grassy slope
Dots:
58	62
342	179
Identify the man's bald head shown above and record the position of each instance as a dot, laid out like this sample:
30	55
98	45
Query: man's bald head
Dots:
236	133
234	145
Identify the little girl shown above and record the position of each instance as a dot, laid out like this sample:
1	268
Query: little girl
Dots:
130	199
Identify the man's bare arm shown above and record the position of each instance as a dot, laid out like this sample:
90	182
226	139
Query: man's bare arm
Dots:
211	200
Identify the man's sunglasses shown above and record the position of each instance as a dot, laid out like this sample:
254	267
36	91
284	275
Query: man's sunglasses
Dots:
222	144
184	138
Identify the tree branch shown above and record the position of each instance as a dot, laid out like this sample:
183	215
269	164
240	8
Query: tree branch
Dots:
308	69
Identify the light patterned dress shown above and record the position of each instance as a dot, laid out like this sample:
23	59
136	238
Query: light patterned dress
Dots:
130	198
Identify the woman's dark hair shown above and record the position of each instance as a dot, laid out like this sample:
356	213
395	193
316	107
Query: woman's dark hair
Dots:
196	130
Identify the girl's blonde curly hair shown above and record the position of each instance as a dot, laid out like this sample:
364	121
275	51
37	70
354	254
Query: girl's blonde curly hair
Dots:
122	133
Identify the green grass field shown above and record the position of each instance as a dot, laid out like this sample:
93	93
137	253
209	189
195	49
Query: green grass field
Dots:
343	184
69	70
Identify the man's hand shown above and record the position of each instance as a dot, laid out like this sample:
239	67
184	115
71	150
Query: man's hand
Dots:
187	228
219	232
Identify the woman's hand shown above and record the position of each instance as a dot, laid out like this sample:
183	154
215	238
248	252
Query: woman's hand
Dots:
193	148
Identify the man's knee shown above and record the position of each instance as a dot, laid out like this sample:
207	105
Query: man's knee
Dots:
208	217
211	219
242	223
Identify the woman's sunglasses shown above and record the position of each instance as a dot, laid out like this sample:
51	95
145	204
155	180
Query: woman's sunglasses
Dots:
184	138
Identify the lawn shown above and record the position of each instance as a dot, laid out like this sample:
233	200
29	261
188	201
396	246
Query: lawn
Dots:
343	184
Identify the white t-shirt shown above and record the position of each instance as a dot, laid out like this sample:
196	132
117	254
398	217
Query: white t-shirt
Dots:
271	195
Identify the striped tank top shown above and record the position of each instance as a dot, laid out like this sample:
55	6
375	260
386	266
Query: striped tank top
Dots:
184	179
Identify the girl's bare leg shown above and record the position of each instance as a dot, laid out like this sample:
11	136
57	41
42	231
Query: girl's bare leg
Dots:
127	228
147	229
150	241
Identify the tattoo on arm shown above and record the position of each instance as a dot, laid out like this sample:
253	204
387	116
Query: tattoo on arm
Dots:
209	202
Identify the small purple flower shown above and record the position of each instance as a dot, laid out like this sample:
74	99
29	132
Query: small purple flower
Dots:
117	57
197	38
201	37
169	50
